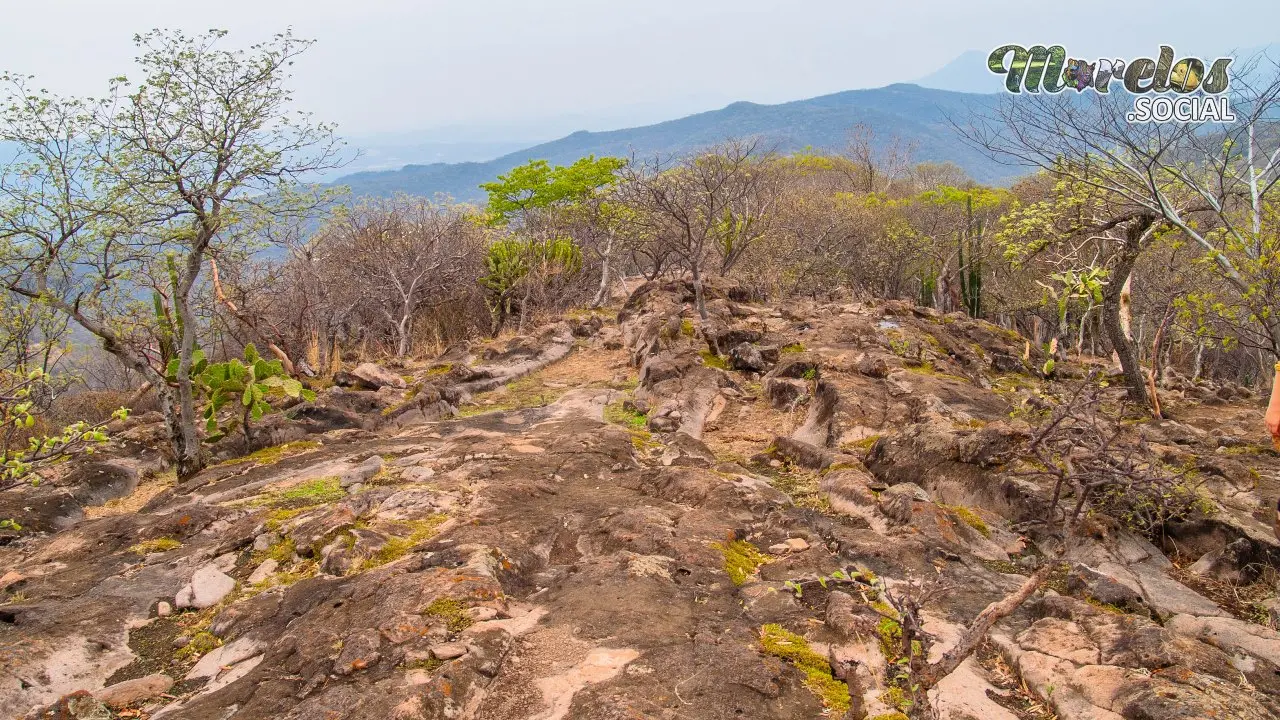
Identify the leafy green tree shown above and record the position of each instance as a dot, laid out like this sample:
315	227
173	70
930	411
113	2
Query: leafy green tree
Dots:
1212	183
184	162
537	200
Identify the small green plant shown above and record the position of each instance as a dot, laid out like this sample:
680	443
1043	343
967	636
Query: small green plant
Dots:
397	547
201	643
791	349
250	385
20	456
686	327
777	641
10	524
741	559
275	453
838	577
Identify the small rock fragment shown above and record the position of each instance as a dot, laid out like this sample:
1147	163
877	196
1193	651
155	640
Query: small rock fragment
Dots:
264	571
448	651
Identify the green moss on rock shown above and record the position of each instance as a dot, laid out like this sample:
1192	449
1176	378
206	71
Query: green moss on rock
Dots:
781	643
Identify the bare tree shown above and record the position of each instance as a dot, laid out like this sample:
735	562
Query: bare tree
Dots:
706	207
395	254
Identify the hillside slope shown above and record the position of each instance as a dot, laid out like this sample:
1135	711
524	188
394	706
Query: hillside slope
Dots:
582	522
916	114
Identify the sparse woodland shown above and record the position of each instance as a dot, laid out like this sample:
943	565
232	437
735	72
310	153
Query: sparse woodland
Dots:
163	251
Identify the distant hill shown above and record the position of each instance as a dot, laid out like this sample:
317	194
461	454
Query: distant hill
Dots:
968	73
914	113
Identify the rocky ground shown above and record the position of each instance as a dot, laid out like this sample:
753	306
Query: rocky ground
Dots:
627	516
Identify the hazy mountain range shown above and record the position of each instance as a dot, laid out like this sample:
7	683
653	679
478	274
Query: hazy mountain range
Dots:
454	161
915	114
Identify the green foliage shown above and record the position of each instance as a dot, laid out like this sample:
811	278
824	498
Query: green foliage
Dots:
250	385
617	414
846	577
512	263
741	559
779	642
275	453
713	360
537	186
398	546
18	413
970	518
313	492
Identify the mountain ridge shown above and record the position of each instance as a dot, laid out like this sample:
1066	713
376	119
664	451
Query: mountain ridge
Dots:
915	114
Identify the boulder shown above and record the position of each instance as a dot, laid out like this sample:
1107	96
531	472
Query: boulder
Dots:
207	588
132	692
896	502
785	393
361	473
369	376
747	357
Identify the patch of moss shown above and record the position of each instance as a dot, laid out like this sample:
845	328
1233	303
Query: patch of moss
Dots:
441	369
890	633
686	327
781	643
282	551
890	716
452	612
970	518
713	360
430	664
278	517
617	414
896	697
741	559
275	453
791	349
313	492
159	545
398	546
201	643
864	445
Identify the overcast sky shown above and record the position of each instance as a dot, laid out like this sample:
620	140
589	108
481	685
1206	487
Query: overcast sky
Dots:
413	65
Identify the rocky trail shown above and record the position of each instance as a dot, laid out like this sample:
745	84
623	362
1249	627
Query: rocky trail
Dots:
642	515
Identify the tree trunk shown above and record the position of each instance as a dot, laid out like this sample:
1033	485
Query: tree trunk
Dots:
1113	298
602	294
186	440
698	296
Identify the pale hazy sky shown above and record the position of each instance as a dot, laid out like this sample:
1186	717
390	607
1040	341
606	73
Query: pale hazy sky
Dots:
400	65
